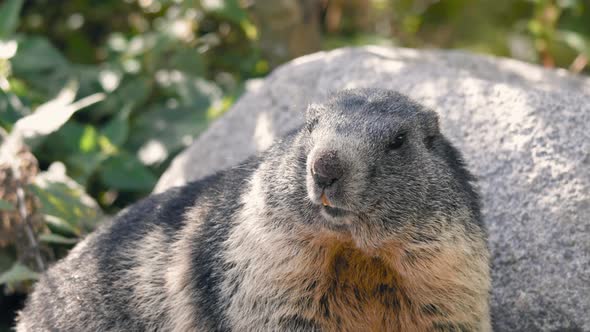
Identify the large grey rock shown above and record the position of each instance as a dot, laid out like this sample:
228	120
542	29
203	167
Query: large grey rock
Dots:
524	131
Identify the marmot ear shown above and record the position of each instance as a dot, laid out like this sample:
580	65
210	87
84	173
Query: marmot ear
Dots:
313	111
312	115
431	123
431	129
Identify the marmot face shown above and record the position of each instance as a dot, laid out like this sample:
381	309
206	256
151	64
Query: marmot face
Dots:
373	164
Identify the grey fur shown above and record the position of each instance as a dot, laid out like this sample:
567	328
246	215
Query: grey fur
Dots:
218	254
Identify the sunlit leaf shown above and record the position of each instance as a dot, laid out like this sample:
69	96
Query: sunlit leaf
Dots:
18	272
57	239
9	14
575	40
227	9
89	139
60	226
569	3
50	116
8	49
64	199
249	29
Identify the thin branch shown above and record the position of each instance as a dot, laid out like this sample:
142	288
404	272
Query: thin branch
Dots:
22	209
12	146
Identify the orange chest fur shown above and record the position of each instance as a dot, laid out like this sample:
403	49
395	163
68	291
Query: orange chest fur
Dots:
346	289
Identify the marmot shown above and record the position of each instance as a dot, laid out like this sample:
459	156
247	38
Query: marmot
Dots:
365	219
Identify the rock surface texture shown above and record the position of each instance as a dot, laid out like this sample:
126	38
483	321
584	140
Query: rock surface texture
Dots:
524	131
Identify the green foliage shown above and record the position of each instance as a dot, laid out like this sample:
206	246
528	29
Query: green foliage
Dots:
554	33
161	76
106	106
9	15
66	208
18	273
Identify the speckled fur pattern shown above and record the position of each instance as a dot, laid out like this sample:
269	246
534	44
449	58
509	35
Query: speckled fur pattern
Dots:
250	248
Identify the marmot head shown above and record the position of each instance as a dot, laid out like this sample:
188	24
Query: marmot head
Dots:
373	162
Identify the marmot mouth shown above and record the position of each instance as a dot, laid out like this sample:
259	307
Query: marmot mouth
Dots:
335	212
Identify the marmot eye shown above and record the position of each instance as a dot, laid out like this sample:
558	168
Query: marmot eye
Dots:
429	142
397	143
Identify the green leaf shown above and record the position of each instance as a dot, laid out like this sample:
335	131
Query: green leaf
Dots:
187	60
17	273
574	40
132	91
63	142
41	66
78	146
125	172
64	199
53	114
164	131
195	93
6	260
37	55
89	139
6	206
83	165
9	15
57	239
61	226
226	9
117	130
7	51
11	109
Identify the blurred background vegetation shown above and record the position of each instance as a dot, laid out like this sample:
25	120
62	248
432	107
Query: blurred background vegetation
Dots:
97	97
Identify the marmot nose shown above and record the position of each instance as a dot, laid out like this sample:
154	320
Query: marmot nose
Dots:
327	169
